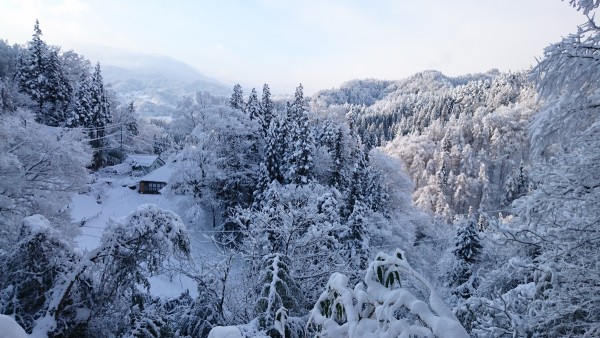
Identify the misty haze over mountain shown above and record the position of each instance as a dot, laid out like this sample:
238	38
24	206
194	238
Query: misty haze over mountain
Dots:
154	83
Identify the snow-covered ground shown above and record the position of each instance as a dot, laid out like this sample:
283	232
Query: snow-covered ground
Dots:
112	196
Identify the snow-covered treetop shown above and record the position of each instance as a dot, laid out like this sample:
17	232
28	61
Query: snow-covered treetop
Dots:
585	5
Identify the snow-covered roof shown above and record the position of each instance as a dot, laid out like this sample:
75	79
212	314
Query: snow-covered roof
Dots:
142	160
162	174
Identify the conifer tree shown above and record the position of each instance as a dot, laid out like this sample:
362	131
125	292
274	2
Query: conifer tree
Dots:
357	241
253	106
266	108
468	245
30	72
129	120
280	298
40	75
80	114
270	169
300	142
58	92
339	161
237	98
100	117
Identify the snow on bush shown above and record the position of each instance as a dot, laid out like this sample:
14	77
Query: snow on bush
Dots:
384	305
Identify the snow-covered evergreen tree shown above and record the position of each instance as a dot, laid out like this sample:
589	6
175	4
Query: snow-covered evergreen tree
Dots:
253	106
40	75
80	114
280	299
267	110
101	118
237	98
300	141
467	245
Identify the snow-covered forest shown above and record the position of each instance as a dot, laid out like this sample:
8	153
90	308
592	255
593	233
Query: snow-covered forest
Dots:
432	206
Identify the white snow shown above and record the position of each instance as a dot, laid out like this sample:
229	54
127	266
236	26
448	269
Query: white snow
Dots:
36	224
9	328
225	332
142	160
162	174
111	198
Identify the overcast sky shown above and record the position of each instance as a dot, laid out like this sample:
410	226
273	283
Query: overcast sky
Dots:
321	43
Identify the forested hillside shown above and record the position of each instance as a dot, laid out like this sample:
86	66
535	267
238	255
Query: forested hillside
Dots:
464	141
432	206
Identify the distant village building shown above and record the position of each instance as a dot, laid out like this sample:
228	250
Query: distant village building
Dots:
144	164
156	180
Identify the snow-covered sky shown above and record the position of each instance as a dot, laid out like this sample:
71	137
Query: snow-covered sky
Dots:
320	43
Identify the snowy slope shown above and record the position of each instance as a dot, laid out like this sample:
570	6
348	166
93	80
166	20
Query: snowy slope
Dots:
112	197
10	329
154	83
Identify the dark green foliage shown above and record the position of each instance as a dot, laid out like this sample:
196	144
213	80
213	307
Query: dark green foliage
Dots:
280	298
468	245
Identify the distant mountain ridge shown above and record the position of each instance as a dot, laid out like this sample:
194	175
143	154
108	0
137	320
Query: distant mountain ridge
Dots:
154	83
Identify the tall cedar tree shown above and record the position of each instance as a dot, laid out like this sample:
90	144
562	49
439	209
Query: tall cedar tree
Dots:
101	118
298	158
40	75
266	109
253	106
237	98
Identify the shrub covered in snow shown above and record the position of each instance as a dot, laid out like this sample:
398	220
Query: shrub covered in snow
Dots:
384	305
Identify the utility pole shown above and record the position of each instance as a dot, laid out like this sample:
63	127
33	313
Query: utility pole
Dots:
122	155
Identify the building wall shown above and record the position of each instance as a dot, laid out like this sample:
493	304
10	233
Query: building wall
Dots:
149	187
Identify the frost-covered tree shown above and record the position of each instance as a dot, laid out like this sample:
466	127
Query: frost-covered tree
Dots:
298	161
237	98
271	168
40	75
148	242
548	285
42	168
30	73
186	117
280	299
301	222
74	66
218	168
392	301
125	137
76	294
467	245
39	263
356	241
80	113
101	118
253	106
267	110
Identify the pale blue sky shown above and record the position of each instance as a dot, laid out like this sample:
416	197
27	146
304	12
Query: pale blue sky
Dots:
319	43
